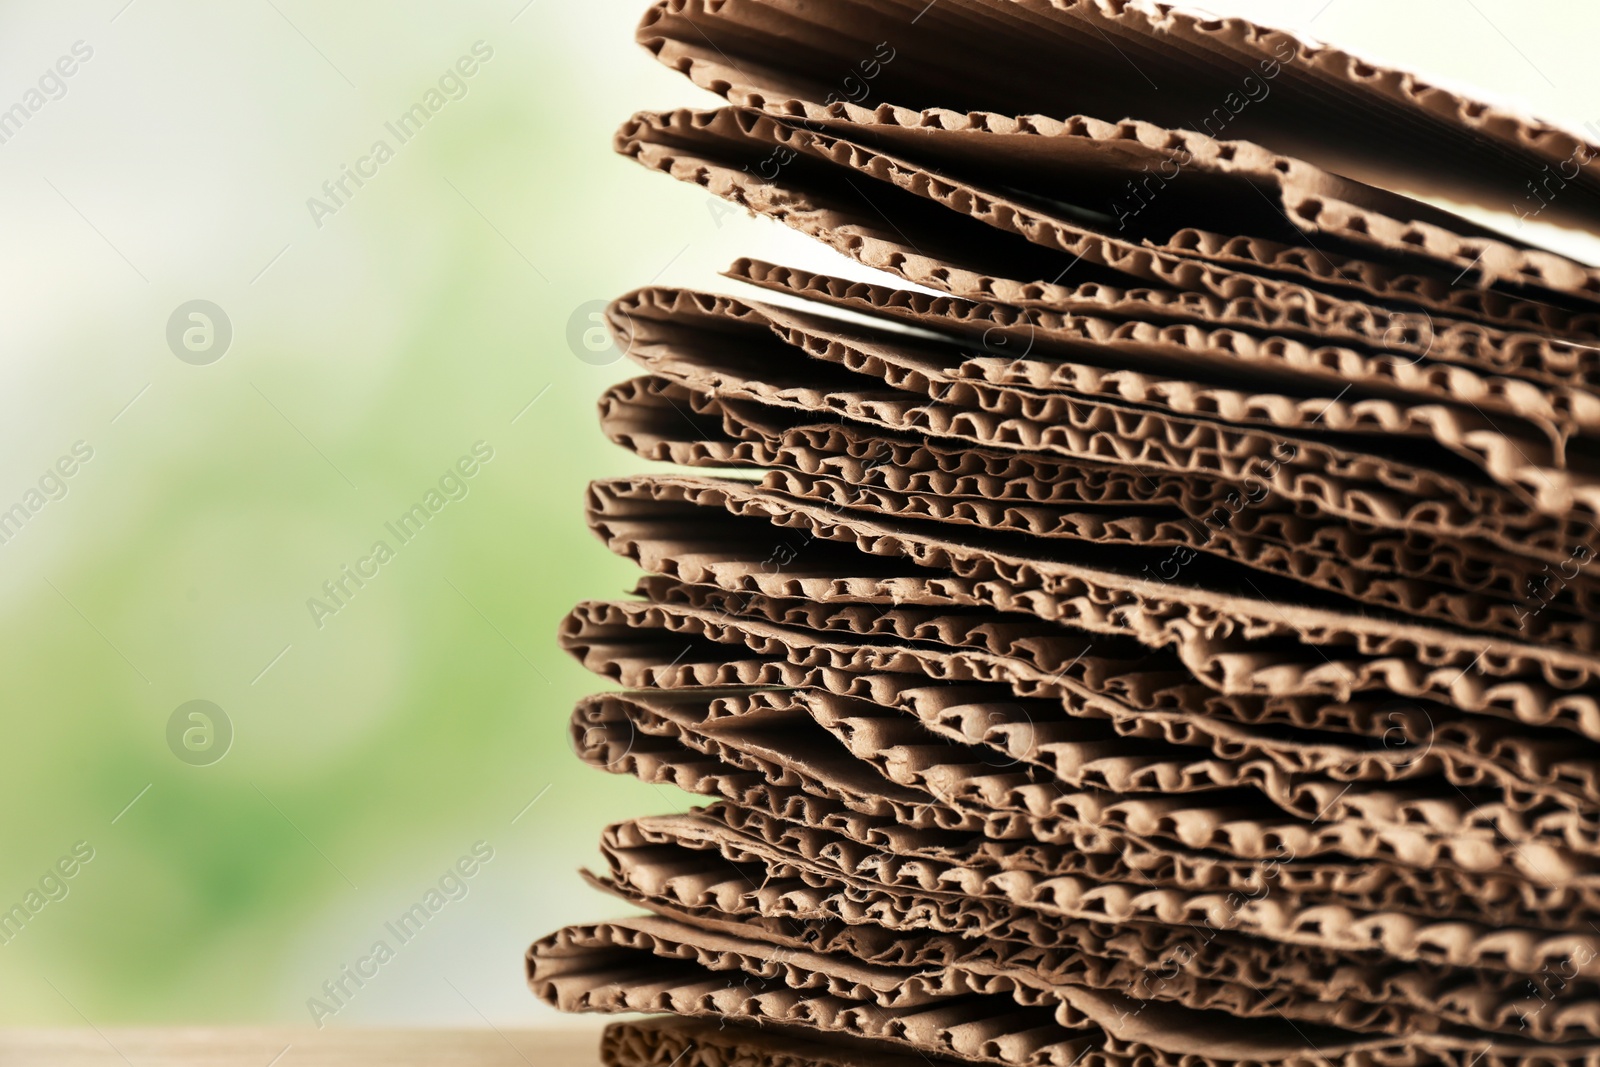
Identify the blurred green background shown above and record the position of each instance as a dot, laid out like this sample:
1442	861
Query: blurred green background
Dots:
369	353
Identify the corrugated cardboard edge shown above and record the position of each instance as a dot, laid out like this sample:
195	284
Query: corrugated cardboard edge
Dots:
791	912
875	713
1334	72
666	422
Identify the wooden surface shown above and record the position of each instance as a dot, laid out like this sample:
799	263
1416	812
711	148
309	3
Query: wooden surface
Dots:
563	1047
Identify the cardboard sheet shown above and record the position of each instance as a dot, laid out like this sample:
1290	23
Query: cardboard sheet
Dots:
1173	640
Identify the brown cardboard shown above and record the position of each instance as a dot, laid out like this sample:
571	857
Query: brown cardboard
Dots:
654	964
666	1042
1450	579
1279	213
1171	641
1438	892
678	866
1249	328
1029	974
726	150
663	421
618	732
1141	695
682	336
1127	336
1215	635
975	267
886	720
662	329
793	913
1552	758
1300	97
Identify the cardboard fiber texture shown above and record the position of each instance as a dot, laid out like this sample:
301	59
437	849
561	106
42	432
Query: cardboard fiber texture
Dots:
1456	580
1368	997
635	966
683	335
1122	731
961	901
1280	217
664	1042
1434	891
663	421
1061	57
1408	571
1119	839
650	737
1148	621
1549	763
726	149
1035	976
732	534
1133	329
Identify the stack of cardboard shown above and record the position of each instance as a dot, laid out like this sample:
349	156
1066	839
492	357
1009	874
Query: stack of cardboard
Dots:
1153	625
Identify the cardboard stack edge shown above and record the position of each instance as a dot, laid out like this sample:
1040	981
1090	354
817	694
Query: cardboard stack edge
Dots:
1151	622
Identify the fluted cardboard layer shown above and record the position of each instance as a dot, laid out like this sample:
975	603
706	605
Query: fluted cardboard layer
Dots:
659	965
968	259
1321	555
708	891
1063	57
1463	583
805	969
658	738
684	864
1032	976
836	370
807	362
676	1042
621	735
812	825
691	145
1550	764
1560	393
885	719
777	546
667	422
1275	214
